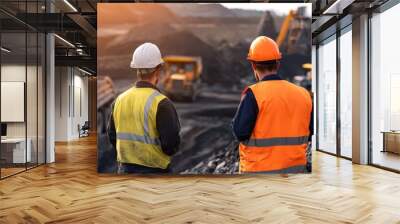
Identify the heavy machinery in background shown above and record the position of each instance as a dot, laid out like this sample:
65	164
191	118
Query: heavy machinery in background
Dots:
291	32
105	90
105	96
181	77
106	154
294	41
305	79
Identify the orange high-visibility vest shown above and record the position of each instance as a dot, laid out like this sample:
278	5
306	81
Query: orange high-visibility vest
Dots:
279	139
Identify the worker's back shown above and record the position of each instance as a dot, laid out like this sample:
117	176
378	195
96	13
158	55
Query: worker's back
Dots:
281	131
285	107
134	114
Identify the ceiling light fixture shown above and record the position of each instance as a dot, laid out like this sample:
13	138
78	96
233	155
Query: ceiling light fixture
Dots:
70	5
5	50
80	51
84	71
337	7
64	40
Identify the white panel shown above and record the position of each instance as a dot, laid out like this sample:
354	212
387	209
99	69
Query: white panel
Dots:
12	101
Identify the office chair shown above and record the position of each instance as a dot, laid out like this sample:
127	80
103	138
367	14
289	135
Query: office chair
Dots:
84	130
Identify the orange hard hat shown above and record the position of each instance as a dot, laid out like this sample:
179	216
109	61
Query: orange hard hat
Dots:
264	49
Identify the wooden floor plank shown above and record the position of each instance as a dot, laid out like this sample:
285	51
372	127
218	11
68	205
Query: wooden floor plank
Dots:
70	191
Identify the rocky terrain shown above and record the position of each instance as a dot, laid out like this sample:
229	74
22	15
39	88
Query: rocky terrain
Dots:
224	162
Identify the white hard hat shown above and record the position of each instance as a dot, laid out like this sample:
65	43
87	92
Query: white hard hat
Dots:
146	55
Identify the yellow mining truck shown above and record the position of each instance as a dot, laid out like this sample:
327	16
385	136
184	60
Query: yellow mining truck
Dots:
181	78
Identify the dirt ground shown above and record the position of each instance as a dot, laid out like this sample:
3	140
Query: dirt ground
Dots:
206	133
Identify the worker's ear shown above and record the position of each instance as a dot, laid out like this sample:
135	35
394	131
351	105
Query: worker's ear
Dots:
155	78
255	72
157	73
253	66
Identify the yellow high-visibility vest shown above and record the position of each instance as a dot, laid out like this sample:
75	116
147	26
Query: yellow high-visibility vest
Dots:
134	116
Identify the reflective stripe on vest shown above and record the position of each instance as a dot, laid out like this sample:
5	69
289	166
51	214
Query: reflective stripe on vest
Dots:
135	122
146	137
138	138
146	111
263	142
279	139
292	169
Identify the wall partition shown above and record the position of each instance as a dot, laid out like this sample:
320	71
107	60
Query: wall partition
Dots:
22	88
71	110
385	89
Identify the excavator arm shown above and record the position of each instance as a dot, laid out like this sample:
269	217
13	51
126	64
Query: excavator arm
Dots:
285	28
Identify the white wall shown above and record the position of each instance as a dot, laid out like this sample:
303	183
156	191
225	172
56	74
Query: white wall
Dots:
80	100
71	93
50	94
61	103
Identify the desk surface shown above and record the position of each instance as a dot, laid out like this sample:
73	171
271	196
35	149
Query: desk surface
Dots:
13	140
391	132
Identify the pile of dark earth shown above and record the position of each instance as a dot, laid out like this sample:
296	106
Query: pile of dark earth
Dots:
222	162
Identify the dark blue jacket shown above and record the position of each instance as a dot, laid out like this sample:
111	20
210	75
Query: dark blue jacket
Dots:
246	114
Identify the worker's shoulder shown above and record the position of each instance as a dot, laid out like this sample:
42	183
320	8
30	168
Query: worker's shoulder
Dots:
141	92
283	85
300	88
300	92
246	90
125	94
164	100
268	84
165	105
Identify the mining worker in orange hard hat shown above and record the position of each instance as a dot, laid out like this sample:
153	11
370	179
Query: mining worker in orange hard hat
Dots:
273	121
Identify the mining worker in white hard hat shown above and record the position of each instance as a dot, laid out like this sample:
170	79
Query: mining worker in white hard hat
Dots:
144	126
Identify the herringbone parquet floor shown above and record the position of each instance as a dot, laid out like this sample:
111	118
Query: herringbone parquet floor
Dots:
70	191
